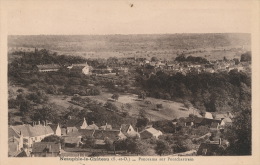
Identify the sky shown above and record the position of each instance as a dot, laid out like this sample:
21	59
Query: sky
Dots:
127	17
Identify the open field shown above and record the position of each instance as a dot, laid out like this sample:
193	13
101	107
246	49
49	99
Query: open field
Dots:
161	46
170	110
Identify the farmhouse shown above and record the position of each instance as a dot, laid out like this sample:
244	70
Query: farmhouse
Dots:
15	143
80	68
32	134
128	130
48	68
46	149
149	133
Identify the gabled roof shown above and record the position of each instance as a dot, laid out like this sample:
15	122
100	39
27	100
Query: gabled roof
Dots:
208	115
12	133
227	120
32	131
92	126
53	126
39	130
23	129
150	132
39	147
125	127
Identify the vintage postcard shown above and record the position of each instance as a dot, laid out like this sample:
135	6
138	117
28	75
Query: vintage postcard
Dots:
135	82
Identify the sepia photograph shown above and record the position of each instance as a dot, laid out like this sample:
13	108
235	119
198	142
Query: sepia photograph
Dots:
129	80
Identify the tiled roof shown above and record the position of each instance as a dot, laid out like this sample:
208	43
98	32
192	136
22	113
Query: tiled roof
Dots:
150	132
73	134
53	126
39	147
125	127
39	130
72	140
86	132
92	126
12	133
32	131
24	129
227	120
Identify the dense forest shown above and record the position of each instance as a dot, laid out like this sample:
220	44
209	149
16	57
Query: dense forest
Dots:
208	92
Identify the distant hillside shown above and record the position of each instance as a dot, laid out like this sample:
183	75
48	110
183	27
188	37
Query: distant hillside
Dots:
116	43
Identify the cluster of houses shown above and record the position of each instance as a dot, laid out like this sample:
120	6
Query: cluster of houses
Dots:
184	68
219	122
26	140
78	68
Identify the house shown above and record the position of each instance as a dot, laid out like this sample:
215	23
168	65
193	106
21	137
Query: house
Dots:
225	122
80	68
72	139
103	134
128	130
32	134
48	68
106	127
56	129
150	133
15	144
80	124
46	149
208	115
215	125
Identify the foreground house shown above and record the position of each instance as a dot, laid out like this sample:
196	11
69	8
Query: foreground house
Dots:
32	134
46	149
15	144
